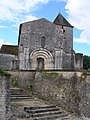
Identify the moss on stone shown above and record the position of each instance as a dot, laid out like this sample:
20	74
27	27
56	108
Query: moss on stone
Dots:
3	73
83	76
49	74
14	83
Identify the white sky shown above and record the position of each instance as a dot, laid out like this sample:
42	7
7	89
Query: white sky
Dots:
78	11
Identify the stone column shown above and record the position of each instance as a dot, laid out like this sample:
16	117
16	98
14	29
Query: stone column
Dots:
4	97
26	58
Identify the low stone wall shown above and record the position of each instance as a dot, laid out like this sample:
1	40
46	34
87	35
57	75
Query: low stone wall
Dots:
4	98
23	78
69	90
7	61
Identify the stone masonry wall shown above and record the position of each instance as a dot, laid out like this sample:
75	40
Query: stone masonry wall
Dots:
23	78
6	61
68	39
66	62
4	98
55	39
78	61
69	90
32	32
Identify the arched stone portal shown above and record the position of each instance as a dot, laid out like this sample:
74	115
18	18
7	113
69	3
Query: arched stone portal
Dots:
41	56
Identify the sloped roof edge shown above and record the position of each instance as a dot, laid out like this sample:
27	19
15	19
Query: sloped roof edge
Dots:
60	20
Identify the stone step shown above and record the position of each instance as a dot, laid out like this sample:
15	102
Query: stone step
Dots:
46	113
64	118
41	110
49	117
19	94
20	98
39	107
16	91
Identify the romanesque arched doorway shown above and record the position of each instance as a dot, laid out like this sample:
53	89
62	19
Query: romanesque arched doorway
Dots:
41	59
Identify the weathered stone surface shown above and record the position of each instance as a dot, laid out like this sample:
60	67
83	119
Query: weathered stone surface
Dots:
71	93
42	39
8	61
70	90
4	98
57	49
24	78
78	59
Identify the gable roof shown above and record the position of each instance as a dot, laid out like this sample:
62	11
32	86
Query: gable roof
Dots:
60	20
9	49
43	20
37	20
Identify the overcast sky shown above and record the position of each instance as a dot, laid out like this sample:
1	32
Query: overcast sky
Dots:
14	12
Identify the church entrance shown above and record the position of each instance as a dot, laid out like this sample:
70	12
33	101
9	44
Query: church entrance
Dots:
40	63
41	59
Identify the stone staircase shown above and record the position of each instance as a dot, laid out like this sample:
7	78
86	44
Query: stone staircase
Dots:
46	113
26	107
18	94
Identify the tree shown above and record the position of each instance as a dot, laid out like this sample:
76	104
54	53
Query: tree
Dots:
86	62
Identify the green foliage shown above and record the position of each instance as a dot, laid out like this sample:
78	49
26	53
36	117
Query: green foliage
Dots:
86	62
49	74
3	73
14	83
83	76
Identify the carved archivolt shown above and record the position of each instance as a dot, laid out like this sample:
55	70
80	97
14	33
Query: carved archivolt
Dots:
41	53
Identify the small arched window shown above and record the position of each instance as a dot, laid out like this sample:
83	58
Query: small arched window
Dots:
21	48
43	41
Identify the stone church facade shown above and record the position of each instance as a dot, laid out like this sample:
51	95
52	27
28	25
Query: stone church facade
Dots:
47	45
42	45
